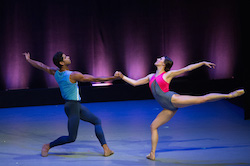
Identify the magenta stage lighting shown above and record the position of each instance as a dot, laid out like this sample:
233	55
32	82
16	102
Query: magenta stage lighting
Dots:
57	38
15	70
222	44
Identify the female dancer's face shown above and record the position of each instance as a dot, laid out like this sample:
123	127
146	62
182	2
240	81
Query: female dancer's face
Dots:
160	61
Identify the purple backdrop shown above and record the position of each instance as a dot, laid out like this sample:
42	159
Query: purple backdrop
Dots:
127	35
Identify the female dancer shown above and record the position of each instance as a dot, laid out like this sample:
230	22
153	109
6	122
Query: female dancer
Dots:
68	83
169	100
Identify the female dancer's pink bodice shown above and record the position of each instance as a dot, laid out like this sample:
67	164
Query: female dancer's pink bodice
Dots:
161	82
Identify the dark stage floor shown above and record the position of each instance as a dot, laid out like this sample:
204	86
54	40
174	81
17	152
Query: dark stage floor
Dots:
207	134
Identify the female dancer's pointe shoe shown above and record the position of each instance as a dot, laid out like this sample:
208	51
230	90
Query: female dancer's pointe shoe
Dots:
150	156
45	150
236	93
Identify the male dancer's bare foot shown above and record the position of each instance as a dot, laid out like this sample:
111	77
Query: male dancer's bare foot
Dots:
107	151
236	93
45	150
151	156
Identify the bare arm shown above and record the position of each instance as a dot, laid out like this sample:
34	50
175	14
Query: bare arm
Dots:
133	82
174	73
39	65
77	76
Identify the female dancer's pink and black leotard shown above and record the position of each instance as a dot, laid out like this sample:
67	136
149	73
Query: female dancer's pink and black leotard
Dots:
160	90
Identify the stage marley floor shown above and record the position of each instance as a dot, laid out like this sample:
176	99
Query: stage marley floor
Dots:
207	134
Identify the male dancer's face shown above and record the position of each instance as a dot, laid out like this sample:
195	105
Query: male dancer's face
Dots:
66	60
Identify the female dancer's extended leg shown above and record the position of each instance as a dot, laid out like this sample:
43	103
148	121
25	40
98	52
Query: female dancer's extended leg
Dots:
180	101
163	117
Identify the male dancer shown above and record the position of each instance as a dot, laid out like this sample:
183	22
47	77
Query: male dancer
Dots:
68	83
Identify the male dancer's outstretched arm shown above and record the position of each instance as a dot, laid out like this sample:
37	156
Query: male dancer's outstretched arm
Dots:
74	77
40	65
77	76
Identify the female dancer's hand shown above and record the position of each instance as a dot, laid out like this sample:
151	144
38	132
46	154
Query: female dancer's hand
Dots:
27	55
119	74
209	64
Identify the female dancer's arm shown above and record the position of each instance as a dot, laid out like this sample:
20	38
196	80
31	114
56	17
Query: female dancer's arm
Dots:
174	73
133	82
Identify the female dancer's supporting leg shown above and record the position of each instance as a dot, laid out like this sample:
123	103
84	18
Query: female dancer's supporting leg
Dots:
163	117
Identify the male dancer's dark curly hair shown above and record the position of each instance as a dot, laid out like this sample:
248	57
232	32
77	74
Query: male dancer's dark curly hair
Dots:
58	58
